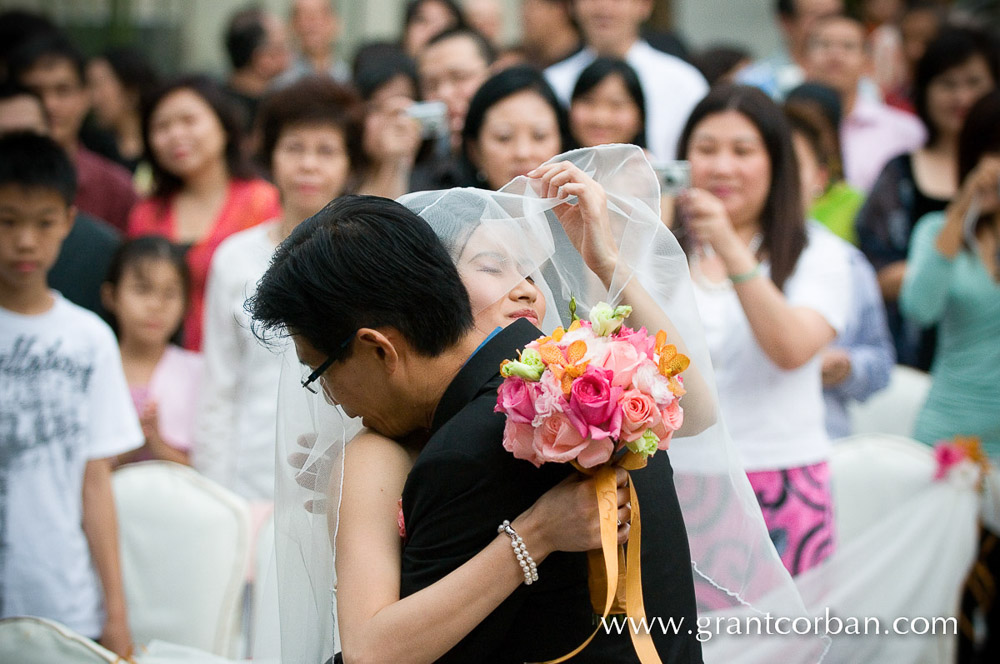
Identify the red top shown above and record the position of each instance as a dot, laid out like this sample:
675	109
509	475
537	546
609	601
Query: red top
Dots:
248	203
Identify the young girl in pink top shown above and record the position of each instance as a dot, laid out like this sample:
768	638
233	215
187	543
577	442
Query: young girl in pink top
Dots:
146	294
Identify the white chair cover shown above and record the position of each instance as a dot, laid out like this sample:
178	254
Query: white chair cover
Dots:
41	641
184	545
906	543
894	409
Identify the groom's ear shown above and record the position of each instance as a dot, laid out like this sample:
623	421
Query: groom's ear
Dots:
381	345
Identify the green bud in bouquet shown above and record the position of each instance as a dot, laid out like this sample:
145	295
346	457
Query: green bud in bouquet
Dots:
646	444
529	367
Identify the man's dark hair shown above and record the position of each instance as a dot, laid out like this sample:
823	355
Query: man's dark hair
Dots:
362	261
715	62
132	69
10	89
785	8
245	34
18	26
46	47
482	44
31	161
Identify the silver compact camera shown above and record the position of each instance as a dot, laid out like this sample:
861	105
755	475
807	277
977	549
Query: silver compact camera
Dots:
432	117
674	176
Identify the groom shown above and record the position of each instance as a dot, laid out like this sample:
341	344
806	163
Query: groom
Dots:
376	308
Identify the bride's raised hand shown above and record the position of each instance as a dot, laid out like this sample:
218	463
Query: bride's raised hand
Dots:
585	221
565	518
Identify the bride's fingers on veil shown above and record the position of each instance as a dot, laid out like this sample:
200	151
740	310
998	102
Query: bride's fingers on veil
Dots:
316	506
307	440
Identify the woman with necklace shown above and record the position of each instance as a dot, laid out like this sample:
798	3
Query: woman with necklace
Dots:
772	295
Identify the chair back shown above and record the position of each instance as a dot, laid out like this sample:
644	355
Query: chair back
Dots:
41	641
185	542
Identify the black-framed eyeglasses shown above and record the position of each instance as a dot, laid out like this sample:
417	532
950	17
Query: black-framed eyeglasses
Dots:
308	381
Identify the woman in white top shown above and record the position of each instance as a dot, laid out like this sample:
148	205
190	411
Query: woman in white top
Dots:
309	133
772	295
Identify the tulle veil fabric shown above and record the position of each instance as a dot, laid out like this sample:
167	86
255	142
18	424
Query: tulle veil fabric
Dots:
736	569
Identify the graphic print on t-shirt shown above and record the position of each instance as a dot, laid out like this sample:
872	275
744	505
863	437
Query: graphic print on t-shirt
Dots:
42	417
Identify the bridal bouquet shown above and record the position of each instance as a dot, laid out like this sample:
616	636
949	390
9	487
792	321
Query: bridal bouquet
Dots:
592	393
598	395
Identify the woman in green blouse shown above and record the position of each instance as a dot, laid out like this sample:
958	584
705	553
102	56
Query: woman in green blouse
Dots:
953	279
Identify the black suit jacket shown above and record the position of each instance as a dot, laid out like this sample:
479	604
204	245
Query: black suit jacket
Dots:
464	484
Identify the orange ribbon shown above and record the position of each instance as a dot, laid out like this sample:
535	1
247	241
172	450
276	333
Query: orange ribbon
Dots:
607	505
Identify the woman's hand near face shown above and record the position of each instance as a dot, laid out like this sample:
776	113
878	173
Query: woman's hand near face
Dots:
394	136
391	140
706	218
586	222
982	185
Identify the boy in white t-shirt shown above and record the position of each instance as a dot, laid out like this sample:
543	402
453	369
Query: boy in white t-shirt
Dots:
64	411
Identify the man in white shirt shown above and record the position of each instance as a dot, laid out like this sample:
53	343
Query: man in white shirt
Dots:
672	87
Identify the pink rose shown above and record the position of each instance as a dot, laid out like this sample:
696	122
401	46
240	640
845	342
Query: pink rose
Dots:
596	452
673	415
557	440
622	360
519	440
516	398
643	342
593	404
639	412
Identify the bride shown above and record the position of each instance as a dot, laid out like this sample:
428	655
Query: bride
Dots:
585	224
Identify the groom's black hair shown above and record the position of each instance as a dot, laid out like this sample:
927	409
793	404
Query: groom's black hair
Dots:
362	261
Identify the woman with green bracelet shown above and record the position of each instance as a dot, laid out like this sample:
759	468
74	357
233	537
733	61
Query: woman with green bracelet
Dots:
772	294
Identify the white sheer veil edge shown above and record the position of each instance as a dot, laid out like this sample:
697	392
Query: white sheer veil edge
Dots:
737	571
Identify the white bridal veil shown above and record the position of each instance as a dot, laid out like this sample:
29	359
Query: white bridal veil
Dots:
736	570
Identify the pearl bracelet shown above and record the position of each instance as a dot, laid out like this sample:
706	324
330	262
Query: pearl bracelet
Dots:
526	562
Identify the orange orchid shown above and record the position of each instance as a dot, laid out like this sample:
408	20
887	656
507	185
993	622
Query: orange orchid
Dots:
671	363
565	366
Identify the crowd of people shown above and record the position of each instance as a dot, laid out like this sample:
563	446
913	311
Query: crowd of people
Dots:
842	216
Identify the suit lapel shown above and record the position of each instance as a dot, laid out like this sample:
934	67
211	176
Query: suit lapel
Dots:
481	368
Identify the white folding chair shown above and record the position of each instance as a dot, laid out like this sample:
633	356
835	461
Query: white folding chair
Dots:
873	473
892	410
185	542
41	641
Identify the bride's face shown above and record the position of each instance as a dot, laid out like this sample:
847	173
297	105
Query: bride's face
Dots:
488	272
